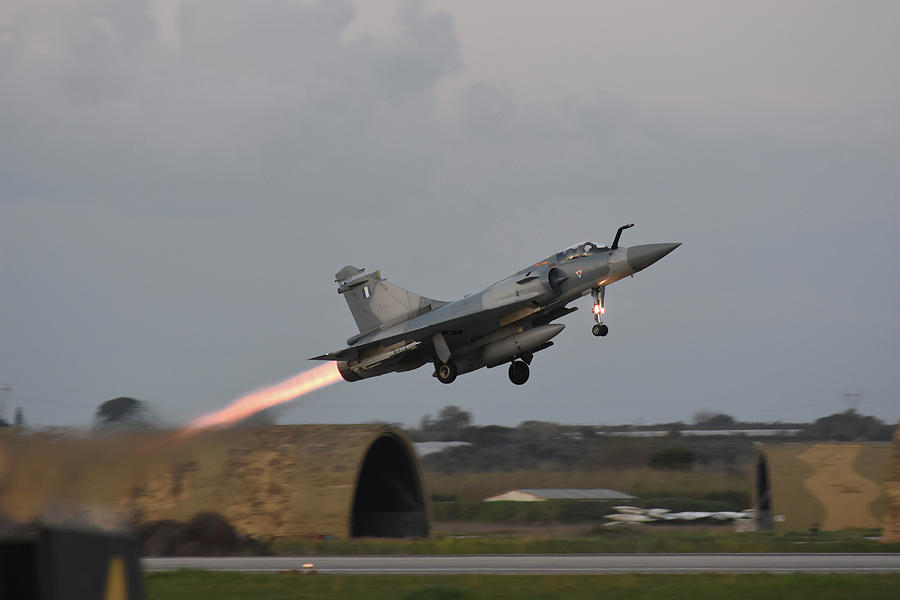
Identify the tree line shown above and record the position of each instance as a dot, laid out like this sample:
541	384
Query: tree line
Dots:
546	445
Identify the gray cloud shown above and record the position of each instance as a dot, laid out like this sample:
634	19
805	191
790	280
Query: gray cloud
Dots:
261	92
171	219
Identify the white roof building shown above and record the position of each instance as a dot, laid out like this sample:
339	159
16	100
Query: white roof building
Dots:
542	494
426	448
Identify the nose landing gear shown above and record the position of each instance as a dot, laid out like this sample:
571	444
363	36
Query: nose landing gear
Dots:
598	294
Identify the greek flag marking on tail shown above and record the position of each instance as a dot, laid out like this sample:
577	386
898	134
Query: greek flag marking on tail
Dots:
375	303
351	280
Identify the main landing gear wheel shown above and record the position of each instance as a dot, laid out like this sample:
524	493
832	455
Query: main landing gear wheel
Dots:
599	329
446	372
518	372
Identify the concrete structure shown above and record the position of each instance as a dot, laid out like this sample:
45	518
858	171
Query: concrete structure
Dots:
302	480
828	485
543	494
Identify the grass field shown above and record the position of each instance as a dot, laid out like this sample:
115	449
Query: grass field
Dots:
602	540
199	585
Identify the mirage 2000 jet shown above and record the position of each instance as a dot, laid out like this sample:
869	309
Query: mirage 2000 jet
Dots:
506	322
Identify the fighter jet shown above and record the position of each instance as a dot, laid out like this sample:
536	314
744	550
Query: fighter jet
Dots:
507	322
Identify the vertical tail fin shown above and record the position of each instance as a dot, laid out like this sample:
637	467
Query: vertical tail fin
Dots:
375	303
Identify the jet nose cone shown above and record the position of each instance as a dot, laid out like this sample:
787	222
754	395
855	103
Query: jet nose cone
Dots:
641	257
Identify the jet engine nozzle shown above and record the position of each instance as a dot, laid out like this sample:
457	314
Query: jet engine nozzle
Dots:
347	372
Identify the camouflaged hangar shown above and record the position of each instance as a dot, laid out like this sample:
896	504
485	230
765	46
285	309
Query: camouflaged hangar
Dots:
892	489
825	485
292	480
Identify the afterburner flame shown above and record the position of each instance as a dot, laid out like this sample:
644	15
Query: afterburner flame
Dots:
254	402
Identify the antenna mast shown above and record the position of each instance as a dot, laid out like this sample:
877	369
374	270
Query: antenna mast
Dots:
853	399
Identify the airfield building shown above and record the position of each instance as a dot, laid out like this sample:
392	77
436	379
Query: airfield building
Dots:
542	494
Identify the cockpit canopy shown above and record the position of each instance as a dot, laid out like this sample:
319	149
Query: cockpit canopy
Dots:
578	250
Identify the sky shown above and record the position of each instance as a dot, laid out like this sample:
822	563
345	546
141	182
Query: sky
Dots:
179	182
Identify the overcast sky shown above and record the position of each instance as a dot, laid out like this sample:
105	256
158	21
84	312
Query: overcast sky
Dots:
180	181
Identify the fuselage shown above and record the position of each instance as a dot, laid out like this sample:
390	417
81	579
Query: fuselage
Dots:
506	321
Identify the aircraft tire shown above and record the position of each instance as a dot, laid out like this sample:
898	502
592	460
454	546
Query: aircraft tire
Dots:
446	372
518	372
600	330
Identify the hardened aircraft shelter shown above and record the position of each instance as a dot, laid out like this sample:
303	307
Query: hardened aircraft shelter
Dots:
294	480
824	486
892	489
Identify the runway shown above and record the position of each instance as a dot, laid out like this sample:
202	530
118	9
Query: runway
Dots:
563	564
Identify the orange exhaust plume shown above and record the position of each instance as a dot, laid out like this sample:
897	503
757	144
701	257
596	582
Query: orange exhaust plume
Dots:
254	402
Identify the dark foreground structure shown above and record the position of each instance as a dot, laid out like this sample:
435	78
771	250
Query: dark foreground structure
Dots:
293	480
69	564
